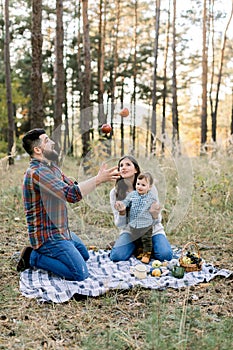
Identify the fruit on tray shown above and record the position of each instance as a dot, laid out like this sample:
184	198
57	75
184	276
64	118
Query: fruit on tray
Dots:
156	272
191	258
156	263
186	260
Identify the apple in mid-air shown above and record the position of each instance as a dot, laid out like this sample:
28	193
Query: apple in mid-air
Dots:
124	112
106	128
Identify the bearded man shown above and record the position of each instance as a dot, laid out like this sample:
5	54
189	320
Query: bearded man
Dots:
46	190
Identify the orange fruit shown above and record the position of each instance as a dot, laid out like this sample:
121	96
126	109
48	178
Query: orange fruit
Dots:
124	113
156	273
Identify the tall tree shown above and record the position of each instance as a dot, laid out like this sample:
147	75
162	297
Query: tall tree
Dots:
223	45
122	120
212	33
114	70
37	113
79	55
204	78
59	68
11	127
85	114
66	144
154	93
101	55
76	80
134	72
164	92
175	117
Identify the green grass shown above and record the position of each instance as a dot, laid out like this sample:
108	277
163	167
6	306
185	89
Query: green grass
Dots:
195	318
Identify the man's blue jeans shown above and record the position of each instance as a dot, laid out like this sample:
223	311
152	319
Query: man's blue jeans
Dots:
124	247
65	258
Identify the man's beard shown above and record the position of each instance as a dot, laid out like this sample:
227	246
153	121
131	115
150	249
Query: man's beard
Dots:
51	155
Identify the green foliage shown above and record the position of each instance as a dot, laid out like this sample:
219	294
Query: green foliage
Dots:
19	102
3	148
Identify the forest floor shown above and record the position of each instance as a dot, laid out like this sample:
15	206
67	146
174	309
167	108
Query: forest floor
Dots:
199	317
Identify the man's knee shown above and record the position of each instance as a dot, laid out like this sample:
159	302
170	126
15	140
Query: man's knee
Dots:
80	275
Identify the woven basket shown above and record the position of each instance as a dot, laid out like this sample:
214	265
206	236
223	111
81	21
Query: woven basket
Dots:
190	267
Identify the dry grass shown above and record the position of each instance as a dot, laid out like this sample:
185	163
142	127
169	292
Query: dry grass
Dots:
199	317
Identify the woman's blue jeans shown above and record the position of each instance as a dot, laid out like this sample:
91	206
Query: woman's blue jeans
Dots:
124	247
65	258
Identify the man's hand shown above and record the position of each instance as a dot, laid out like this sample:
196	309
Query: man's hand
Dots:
155	210
105	175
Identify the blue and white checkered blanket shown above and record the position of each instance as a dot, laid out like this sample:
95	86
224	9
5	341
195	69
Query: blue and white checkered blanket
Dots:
105	275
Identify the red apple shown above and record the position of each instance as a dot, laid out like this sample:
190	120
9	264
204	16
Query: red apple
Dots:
106	128
124	113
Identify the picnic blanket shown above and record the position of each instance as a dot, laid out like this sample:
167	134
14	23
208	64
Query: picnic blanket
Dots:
105	275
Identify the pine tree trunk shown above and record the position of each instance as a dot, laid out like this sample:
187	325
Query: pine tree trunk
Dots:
214	118
204	81
175	119
212	65
164	93
115	63
86	110
66	145
135	74
101	55
79	54
154	94
11	127
59	70
37	113
77	14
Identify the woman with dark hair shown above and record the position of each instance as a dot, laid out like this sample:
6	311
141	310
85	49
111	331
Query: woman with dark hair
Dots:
128	244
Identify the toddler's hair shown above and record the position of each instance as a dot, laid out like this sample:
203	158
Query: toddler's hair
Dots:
147	176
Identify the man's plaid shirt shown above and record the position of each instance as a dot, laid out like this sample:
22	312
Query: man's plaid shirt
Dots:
45	191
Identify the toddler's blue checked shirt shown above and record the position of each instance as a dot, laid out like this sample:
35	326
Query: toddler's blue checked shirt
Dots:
139	205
